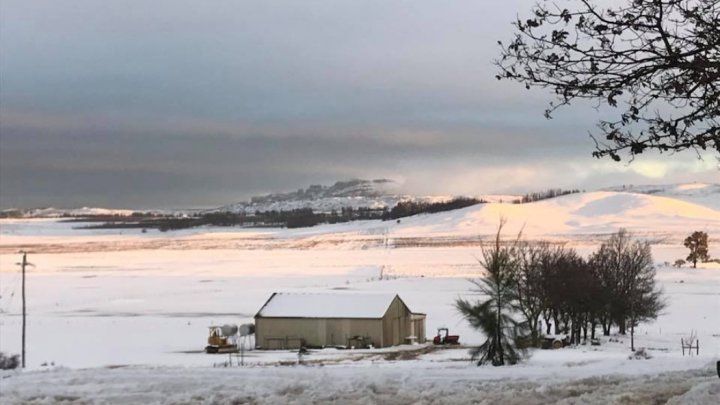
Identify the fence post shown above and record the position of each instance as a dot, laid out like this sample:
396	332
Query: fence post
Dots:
682	344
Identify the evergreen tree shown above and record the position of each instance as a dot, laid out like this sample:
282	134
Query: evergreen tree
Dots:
493	316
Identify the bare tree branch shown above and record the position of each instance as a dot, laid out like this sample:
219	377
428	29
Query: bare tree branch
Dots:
655	61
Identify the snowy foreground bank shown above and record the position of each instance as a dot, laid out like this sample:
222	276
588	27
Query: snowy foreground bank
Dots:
410	384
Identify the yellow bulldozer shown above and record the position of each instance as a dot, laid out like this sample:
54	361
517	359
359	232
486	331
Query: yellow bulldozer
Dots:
222	339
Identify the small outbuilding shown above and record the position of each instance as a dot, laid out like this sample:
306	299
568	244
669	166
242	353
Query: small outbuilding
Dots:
293	320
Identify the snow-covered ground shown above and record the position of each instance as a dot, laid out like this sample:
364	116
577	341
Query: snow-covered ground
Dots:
576	218
403	382
121	316
706	194
135	312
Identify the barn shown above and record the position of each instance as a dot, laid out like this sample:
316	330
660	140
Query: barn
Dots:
292	320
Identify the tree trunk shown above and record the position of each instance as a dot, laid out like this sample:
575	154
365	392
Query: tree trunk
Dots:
607	326
605	323
498	338
534	331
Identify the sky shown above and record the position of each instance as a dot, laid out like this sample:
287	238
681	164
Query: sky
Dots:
179	104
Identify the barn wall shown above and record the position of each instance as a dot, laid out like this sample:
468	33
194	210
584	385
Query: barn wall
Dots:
418	327
396	323
289	333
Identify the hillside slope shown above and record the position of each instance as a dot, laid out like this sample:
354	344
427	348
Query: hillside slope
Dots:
583	213
577	217
706	194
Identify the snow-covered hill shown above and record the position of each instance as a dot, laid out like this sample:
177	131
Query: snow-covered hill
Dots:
381	193
52	212
356	193
583	213
707	194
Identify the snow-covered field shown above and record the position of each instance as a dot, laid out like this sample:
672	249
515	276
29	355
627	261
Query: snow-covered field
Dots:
121	317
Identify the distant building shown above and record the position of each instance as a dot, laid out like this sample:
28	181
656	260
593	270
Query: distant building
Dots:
292	320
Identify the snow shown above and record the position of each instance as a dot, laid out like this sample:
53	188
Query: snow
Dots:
693	186
576	214
322	305
583	216
152	307
121	316
707	194
701	393
52	212
390	383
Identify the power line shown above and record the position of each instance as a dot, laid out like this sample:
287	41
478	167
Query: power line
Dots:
12	289
11	281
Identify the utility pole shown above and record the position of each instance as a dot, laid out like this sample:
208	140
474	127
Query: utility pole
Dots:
23	264
24	312
386	245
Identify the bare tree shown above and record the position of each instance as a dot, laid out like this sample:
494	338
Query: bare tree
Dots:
655	62
606	283
529	286
578	300
552	263
643	300
625	269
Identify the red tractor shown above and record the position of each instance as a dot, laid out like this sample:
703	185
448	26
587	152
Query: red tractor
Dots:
445	338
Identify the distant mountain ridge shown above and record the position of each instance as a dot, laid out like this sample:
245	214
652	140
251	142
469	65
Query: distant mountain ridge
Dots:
349	188
354	193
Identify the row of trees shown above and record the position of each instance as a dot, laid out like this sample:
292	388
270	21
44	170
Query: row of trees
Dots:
294	218
408	208
544	195
530	283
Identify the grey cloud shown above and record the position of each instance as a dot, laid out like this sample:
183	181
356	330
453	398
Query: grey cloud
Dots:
178	103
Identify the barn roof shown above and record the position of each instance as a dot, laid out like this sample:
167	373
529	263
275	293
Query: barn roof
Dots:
326	305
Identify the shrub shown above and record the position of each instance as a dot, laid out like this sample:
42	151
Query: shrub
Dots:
9	362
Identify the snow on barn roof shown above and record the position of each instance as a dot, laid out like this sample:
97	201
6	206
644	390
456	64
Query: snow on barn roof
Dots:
326	305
